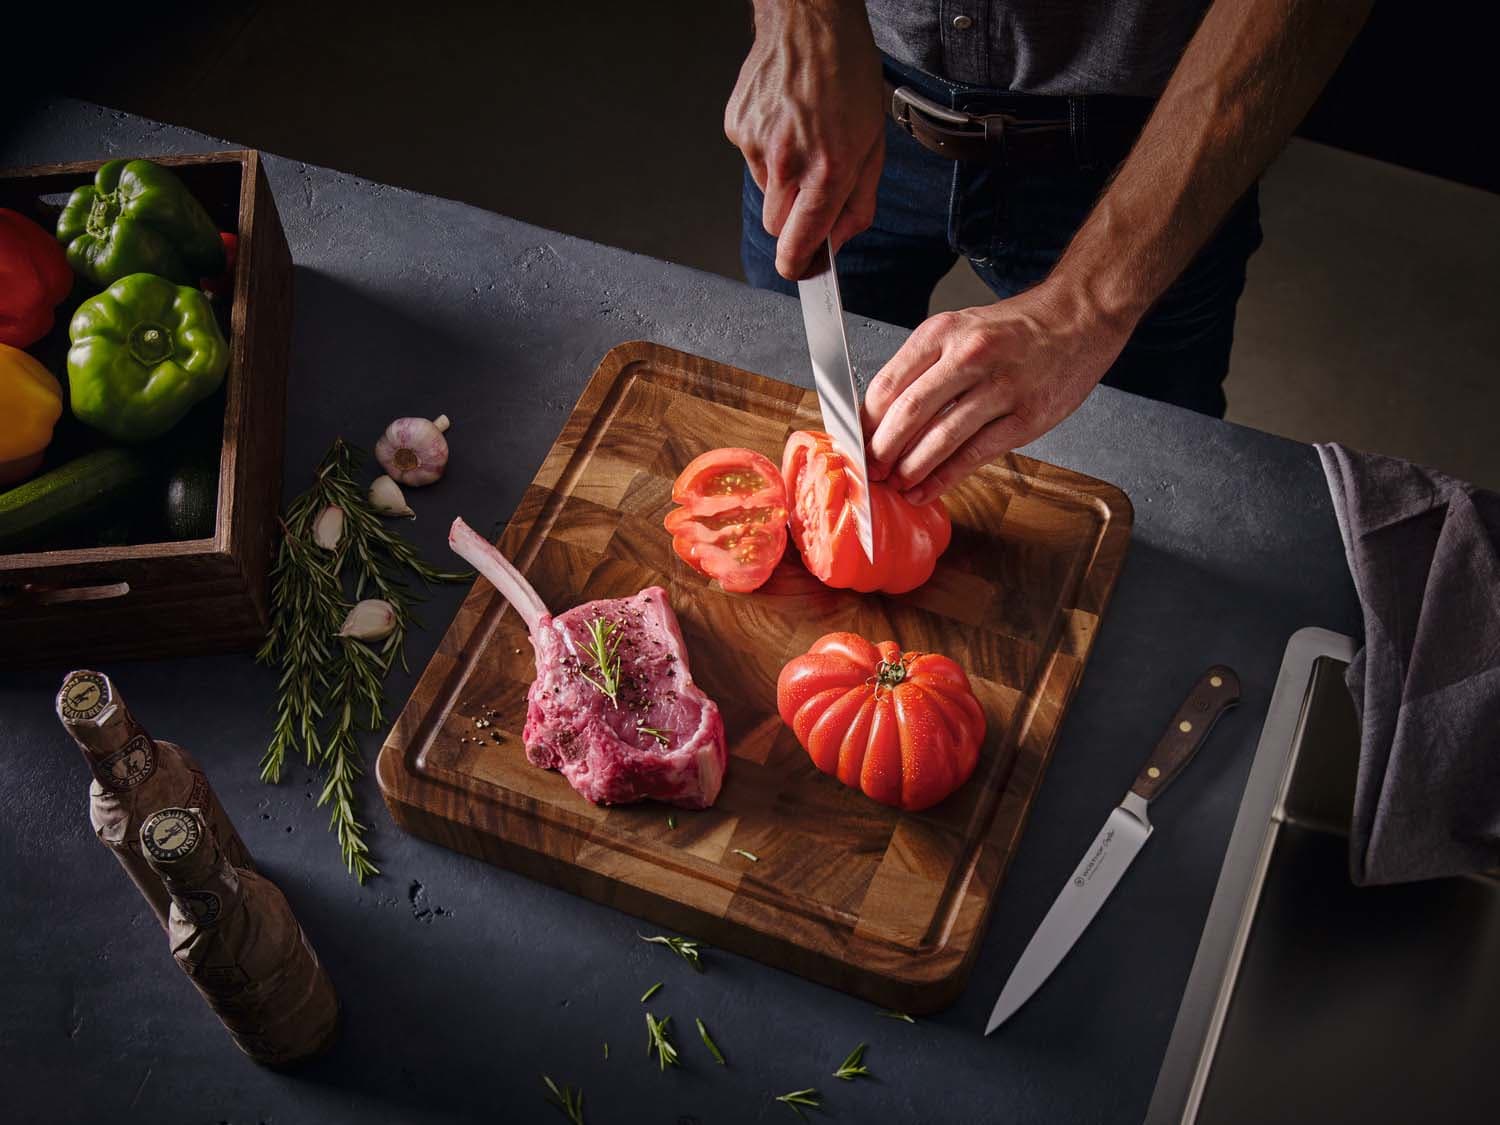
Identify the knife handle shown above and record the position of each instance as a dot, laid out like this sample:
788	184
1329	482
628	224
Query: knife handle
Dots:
1217	690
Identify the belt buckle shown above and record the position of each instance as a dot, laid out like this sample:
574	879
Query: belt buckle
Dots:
904	99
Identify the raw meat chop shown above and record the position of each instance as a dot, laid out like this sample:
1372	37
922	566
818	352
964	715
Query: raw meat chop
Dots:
660	736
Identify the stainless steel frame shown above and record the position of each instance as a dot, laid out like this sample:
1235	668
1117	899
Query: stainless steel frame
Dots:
1312	999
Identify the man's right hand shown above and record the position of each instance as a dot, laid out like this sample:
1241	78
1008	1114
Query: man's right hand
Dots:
807	113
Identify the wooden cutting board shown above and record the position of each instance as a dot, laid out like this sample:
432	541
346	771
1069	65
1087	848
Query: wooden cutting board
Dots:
890	906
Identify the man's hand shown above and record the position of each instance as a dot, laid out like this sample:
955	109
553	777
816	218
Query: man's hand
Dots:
807	114
971	385
968	386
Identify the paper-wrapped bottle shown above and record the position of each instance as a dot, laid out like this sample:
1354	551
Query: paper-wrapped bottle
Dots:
233	933
134	775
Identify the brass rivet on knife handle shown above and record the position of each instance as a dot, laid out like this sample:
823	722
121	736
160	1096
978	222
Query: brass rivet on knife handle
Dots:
1217	690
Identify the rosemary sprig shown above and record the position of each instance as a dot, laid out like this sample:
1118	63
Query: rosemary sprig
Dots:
902	1016
799	1098
751	856
685	948
713	1048
650	992
853	1067
566	1099
603	649
332	687
662	737
656	1040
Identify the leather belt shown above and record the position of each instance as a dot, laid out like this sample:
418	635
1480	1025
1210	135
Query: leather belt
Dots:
1043	132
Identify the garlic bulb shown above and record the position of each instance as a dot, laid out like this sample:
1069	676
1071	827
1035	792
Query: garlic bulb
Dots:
413	450
387	498
369	620
328	527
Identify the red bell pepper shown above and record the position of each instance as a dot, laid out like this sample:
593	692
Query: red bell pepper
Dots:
223	285
34	279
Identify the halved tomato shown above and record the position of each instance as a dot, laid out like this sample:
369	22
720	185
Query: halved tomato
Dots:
732	523
908	538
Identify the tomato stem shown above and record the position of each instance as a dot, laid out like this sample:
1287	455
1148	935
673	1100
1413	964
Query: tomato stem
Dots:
890	673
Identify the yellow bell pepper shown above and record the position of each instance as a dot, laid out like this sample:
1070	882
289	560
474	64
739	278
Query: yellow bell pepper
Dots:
31	402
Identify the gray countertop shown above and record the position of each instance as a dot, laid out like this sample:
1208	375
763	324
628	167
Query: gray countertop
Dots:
462	983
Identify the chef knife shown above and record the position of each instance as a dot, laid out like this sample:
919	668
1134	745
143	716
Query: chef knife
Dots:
1118	842
833	376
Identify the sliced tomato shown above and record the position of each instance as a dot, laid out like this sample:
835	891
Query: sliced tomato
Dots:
908	538
732	523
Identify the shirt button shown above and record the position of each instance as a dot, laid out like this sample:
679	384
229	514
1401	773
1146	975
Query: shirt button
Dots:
963	23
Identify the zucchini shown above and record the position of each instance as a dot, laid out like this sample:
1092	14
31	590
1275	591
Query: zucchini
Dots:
35	513
191	501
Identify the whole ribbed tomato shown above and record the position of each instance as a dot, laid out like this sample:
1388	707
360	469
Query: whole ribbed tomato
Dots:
904	727
908	539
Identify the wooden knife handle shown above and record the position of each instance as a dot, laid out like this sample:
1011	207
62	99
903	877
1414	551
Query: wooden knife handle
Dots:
1216	691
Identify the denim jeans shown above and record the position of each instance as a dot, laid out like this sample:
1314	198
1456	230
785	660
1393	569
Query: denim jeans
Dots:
1013	226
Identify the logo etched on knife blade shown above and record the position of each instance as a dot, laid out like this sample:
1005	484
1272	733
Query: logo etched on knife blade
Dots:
1091	865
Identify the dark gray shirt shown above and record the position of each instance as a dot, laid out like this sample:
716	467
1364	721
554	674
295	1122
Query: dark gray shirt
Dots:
1040	46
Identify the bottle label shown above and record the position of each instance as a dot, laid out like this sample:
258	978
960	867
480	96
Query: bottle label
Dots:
222	981
198	796
171	833
128	766
82	697
202	908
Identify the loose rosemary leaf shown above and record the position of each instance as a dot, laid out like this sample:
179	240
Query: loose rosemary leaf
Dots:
799	1098
656	1040
686	948
713	1048
853	1066
566	1099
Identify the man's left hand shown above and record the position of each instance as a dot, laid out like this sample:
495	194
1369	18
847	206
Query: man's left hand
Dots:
970	385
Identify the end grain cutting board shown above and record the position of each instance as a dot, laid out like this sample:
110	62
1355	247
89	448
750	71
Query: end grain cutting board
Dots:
887	905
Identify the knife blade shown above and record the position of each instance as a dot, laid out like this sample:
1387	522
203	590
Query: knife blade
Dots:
1124	833
833	377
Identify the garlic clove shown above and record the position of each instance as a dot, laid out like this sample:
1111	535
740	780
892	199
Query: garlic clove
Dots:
328	527
369	620
413	451
387	498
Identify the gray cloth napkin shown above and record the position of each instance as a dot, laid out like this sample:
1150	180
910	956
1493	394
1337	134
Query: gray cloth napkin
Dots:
1422	549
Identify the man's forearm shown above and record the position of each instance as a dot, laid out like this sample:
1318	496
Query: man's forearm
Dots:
1247	78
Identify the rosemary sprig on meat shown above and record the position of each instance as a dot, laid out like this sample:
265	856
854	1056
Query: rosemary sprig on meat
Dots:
604	650
663	738
332	687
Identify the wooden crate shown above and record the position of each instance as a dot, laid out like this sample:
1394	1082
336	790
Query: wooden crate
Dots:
195	595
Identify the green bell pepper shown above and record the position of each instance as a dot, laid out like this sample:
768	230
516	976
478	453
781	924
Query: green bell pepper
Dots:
144	351
137	217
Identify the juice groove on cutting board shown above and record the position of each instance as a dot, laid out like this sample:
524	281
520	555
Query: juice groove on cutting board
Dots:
887	905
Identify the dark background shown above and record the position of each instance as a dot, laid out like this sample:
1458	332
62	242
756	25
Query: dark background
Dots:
1416	88
1367	318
